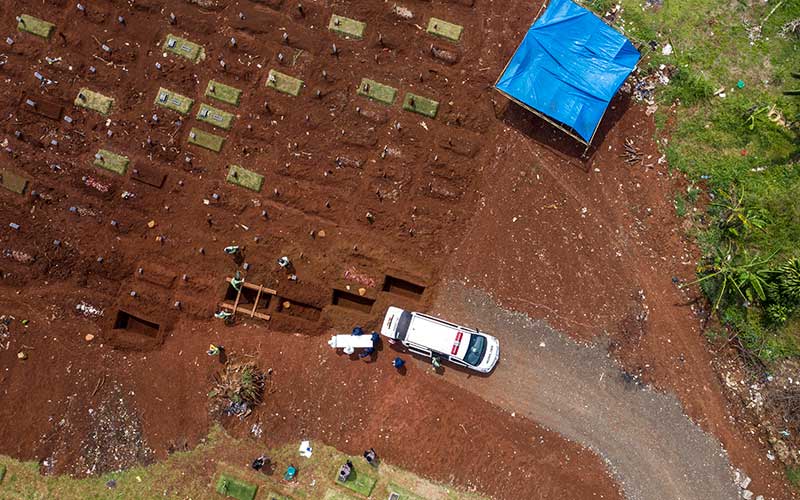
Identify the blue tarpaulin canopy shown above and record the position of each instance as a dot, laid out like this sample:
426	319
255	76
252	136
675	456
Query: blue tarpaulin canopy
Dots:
568	67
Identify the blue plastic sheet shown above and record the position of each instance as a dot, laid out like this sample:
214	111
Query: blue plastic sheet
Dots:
569	66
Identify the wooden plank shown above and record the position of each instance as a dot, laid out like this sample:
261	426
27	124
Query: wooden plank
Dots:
256	287
236	302
258	296
42	107
242	310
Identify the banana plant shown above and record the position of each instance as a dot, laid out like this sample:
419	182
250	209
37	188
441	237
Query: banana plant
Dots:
736	218
747	276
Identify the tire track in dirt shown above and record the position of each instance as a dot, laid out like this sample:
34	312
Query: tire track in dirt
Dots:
652	449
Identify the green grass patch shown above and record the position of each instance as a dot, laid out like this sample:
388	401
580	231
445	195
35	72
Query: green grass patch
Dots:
35	26
174	101
421	105
224	93
377	91
188	475
206	140
245	178
214	116
405	493
235	488
12	181
347	27
95	101
331	494
111	161
359	481
736	143
793	475
284	83
184	48
2	472
444	29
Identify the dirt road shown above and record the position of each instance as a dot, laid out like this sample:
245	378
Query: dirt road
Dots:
651	447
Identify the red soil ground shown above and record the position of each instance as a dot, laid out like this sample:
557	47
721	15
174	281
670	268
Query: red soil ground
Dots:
422	181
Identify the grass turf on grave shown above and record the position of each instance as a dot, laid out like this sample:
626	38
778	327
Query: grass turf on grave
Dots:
347	27
184	48
377	91
13	182
245	178
214	116
35	26
331	494
225	93
234	488
206	140
174	101
441	28
284	83
360	482
421	105
94	101
404	493
111	161
271	495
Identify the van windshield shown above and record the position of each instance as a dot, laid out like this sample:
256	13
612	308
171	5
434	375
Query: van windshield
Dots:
475	349
402	325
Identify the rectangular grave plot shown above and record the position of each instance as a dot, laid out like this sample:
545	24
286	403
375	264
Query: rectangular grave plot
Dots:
206	140
35	26
298	309
42	107
444	29
399	286
284	83
352	301
214	116
377	91
349	28
95	101
132	323
223	93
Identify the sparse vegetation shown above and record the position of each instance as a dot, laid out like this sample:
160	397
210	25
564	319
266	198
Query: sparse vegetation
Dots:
240	382
735	134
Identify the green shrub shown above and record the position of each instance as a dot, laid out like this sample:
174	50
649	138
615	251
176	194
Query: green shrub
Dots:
690	88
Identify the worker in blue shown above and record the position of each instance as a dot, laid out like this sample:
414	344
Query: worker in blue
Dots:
398	363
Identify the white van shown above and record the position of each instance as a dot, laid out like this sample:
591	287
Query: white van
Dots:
429	336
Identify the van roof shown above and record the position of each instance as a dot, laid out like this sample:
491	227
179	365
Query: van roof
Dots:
439	335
